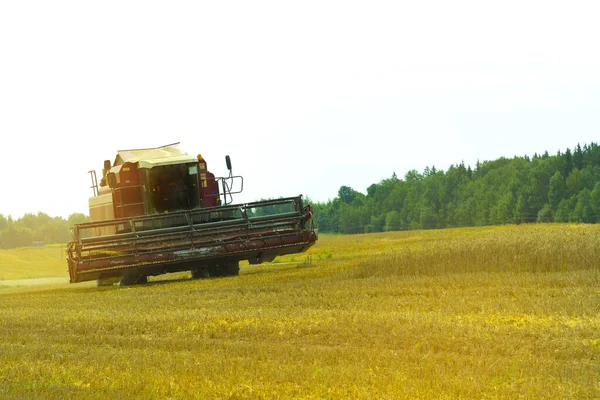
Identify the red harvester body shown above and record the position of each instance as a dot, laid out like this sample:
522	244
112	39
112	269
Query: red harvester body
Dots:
160	210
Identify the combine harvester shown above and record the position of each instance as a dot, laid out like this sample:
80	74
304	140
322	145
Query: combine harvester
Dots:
160	210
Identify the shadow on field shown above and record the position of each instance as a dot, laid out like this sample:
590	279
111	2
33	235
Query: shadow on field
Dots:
62	285
246	270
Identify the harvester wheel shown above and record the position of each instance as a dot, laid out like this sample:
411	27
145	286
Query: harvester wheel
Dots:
129	280
216	271
232	268
199	273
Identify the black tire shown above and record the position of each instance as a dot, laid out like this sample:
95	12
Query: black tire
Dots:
216	271
231	268
129	280
200	273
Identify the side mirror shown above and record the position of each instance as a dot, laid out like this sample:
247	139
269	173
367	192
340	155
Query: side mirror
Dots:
228	162
111	178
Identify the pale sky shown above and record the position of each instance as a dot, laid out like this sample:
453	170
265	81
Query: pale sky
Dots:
304	96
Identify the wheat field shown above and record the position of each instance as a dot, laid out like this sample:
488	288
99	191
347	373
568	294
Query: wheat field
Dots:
33	262
497	312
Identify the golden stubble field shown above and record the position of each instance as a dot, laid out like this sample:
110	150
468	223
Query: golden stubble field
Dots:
502	312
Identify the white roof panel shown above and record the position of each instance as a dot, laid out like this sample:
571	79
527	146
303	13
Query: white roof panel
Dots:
153	157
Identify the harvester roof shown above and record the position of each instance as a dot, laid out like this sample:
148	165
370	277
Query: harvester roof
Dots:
153	157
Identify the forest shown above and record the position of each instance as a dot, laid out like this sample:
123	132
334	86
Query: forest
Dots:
564	187
37	228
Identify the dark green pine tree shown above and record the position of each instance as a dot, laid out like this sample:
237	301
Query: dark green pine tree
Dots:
578	157
557	190
568	162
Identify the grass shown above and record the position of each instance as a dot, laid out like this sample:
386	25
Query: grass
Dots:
510	312
33	262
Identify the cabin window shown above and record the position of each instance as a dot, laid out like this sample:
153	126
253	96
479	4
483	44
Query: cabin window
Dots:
173	188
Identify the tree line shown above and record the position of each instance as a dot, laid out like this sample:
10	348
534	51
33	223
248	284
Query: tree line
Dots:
564	187
40	228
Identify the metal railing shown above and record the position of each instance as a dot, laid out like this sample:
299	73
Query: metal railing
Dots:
185	229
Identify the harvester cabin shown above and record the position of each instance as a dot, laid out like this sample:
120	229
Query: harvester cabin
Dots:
148	181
